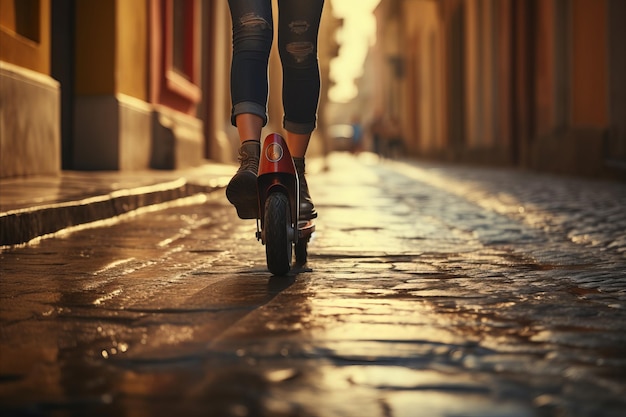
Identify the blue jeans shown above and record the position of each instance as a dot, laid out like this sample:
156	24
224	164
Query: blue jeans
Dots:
253	33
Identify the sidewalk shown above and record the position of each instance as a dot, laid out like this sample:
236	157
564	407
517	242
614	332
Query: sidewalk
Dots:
37	206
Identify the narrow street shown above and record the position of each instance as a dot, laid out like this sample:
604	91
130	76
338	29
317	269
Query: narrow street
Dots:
431	290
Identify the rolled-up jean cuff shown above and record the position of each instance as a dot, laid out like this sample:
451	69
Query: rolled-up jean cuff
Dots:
248	107
299	128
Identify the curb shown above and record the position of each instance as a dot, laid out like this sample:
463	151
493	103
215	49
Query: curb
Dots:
21	226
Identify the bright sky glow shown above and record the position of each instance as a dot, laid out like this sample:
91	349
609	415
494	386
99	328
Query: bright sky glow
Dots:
355	37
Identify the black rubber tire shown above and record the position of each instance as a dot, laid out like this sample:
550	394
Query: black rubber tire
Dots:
301	251
277	243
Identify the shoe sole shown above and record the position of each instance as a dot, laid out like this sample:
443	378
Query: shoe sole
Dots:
242	193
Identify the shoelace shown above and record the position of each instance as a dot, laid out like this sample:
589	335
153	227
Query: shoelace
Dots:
248	163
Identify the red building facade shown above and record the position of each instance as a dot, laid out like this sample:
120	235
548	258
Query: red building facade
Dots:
134	84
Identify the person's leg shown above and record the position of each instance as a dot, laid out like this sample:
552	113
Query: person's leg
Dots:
253	32
252	40
298	143
249	126
298	29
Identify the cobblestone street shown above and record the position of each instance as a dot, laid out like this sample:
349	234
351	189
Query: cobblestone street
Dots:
431	290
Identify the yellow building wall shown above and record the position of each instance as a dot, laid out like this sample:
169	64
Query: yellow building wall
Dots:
481	76
95	53
29	120
472	74
111	113
25	34
589	66
131	44
422	102
111	47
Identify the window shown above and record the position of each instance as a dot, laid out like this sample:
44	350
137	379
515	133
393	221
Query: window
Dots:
175	61
27	19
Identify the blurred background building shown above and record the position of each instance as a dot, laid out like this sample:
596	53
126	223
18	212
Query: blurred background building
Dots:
112	84
529	83
139	84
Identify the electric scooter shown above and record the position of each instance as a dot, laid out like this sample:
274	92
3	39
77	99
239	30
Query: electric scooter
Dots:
278	227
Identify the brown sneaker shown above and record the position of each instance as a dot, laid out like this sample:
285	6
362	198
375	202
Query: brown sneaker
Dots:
242	188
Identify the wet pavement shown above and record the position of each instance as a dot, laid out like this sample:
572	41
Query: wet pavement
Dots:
431	290
37	206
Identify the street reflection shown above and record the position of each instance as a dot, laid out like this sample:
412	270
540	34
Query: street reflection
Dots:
365	319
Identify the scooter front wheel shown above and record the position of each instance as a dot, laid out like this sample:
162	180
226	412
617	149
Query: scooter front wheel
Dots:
277	225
